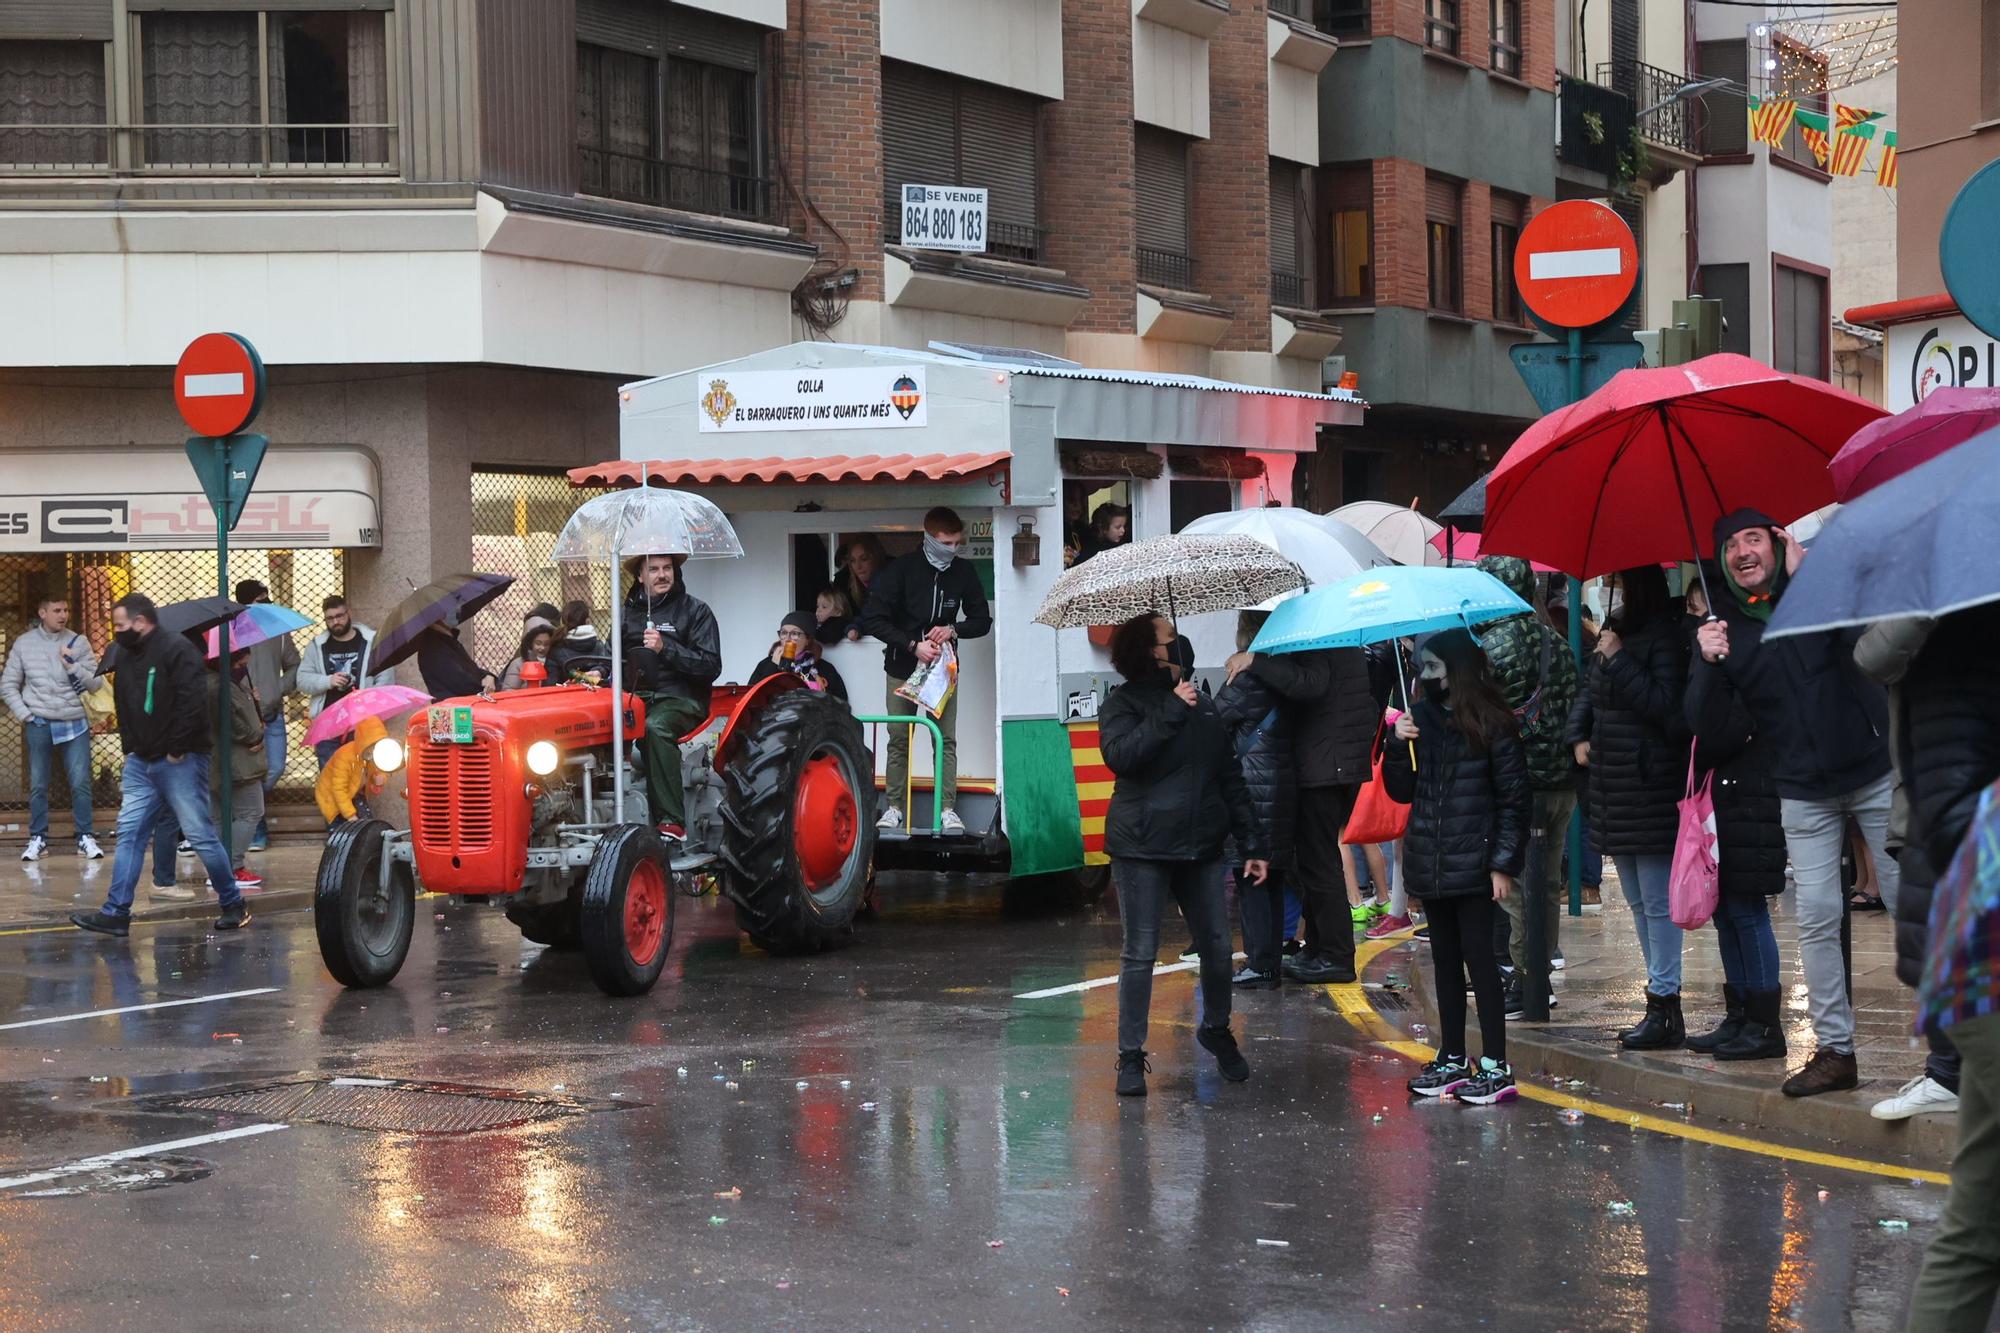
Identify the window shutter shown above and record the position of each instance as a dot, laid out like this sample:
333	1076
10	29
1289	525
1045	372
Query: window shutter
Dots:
1441	200
695	35
1284	217
919	136
1161	162
1730	284
1508	209
88	20
996	140
1725	114
626	25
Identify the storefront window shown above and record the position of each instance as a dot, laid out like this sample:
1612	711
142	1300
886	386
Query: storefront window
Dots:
516	518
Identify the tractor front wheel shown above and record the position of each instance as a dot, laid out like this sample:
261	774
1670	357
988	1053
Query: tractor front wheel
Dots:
363	925
798	821
628	911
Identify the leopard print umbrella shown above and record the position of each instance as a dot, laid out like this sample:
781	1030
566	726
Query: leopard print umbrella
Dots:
1182	575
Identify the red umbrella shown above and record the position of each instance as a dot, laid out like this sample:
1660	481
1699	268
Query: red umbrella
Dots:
1638	472
1884	450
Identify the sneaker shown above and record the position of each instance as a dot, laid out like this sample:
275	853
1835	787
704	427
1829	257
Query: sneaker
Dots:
1132	1070
1442	1075
260	843
1421	933
1314	971
1827	1071
1365	911
87	848
891	819
672	833
234	917
1493	1083
1922	1095
1389	925
184	848
36	849
1556	963
247	878
172	893
1517	1002
1191	954
950	824
1221	1043
1253	979
101	922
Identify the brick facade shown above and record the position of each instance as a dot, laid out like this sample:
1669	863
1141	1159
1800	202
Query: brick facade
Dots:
1402	265
1087	165
830	130
1476	237
1232	180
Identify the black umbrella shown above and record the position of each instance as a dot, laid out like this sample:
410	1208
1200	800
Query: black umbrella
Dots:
1468	512
198	615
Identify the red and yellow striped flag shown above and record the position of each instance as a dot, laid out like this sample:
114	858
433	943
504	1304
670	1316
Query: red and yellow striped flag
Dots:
1770	120
1885	170
1815	140
1848	150
1846	117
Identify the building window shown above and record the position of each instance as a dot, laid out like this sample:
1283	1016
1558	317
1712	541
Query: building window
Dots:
1443	214
1163	173
313	95
941	130
1810	92
1800	331
1441	25
52	105
1506	48
1345	19
1730	284
1725	126
1289	284
617	123
1348	275
1509	211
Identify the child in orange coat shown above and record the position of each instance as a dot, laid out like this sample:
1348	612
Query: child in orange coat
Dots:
349	775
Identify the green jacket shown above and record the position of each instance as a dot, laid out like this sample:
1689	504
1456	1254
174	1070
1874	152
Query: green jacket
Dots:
247	760
1514	650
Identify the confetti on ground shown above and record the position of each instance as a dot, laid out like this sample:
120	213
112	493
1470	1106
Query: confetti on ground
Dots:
1062	1291
1569	1115
1824	1195
995	1244
1622	1207
733	1192
1274	1244
718	1221
1894	1224
868	1106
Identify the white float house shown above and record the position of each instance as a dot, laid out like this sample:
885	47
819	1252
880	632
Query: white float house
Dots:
811	446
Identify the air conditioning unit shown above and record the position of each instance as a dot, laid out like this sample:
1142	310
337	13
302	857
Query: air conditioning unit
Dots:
1330	370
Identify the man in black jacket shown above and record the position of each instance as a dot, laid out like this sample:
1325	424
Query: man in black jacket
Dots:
673	653
1333	719
920	603
1828	727
162	693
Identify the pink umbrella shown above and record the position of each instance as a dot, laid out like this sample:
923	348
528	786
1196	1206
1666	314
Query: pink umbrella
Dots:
345	714
1465	550
1883	450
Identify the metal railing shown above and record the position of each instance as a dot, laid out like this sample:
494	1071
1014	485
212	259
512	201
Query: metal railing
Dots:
201	149
652	180
1288	289
1594	125
1166	268
1663	118
1018	241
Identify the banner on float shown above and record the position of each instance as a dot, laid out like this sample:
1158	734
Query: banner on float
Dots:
868	398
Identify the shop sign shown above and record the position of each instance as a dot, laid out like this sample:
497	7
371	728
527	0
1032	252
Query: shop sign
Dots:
944	217
867	398
1928	355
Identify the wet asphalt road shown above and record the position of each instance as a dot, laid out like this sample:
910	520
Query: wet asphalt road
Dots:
955	1160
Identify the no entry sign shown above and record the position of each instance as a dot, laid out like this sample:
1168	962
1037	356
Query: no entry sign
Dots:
219	384
1576	263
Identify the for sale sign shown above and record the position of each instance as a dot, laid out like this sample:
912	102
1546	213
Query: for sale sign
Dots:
944	217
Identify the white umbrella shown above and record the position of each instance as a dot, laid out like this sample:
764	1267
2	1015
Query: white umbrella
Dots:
1324	552
1179	575
1403	534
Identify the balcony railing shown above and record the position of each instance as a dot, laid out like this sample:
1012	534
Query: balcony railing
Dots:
1288	289
1593	127
652	180
196	150
1663	118
1018	241
1166	268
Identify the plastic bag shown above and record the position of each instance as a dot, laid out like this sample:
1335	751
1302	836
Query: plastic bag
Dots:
930	686
1697	869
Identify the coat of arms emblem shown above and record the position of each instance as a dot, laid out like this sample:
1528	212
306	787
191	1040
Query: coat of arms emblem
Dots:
718	402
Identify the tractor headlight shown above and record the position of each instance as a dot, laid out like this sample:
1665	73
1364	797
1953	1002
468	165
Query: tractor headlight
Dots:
387	756
543	758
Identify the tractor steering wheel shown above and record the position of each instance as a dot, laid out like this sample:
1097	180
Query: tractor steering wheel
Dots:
598	662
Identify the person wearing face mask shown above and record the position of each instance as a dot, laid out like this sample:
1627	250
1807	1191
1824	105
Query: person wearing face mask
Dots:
1471	803
918	604
1828	726
248	755
163	723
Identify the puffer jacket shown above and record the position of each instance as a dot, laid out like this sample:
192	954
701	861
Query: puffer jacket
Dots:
1951	736
1630	709
1333	712
38	683
1749	818
1180	793
1468	811
348	771
1266	754
1536	675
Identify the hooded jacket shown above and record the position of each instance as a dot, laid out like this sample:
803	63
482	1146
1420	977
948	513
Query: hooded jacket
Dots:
690	654
1537	677
1333	713
1260	731
162	692
911	596
1180	793
341	781
1827	723
1469	812
1630	709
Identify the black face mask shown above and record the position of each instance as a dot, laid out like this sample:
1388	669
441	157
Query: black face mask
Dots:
1437	690
129	638
1180	653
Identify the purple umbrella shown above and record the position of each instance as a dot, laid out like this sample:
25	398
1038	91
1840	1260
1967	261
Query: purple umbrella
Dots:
1884	450
453	598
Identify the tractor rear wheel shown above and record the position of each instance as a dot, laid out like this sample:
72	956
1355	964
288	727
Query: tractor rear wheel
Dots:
628	911
798	822
363	926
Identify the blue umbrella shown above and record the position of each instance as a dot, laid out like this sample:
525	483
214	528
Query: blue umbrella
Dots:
1379	604
1925	544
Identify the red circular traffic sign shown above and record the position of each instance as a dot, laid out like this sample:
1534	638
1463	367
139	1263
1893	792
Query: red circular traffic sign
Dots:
219	384
1576	263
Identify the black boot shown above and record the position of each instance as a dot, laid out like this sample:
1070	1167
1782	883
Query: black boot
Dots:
1663	1027
1132	1068
1732	1023
1652	1003
1763	1034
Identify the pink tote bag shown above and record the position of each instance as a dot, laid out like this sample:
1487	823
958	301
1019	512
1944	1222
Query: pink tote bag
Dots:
1697	870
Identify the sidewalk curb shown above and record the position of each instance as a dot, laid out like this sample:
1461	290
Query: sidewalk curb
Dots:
277	900
1838	1120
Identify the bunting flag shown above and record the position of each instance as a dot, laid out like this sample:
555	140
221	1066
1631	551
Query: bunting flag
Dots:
1813	128
1885	170
1849	147
1770	120
1847	118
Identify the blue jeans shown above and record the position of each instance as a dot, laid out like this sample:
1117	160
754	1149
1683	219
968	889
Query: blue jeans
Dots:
275	754
76	766
1644	879
166	844
1749	947
152	787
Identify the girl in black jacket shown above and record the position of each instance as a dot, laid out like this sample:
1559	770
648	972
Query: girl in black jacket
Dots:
1628	728
1468	838
1260	728
1179	796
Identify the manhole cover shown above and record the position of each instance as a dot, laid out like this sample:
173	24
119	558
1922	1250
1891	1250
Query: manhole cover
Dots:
393	1105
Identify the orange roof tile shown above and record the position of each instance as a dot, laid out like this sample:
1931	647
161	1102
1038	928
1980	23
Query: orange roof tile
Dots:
831	468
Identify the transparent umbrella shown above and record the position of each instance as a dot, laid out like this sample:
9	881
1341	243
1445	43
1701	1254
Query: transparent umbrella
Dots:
1324	552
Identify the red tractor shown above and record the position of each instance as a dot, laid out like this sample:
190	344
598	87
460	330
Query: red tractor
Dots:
511	797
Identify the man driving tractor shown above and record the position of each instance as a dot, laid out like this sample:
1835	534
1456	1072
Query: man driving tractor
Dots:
673	653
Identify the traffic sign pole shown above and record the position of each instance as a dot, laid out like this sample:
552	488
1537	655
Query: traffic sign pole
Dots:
225	673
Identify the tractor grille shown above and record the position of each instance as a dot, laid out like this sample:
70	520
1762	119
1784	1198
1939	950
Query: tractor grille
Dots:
388	1105
454	791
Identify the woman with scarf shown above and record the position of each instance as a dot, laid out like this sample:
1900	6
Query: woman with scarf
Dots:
797	651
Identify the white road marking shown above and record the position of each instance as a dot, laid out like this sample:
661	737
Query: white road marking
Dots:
126	1154
1096	982
139	1008
227	385
1574	263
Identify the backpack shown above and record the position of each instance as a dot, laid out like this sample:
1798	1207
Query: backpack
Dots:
99	709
